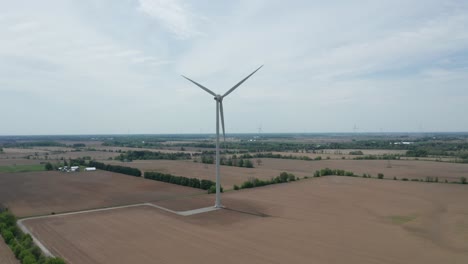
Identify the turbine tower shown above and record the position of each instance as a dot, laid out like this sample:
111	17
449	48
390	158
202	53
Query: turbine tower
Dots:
219	111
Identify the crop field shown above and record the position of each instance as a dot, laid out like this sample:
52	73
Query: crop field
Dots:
321	220
39	193
22	168
99	155
273	167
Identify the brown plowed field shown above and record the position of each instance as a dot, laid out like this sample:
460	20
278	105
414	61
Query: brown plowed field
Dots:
273	167
38	193
324	220
19	161
6	256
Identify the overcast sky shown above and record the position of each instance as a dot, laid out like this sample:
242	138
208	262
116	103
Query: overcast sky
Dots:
105	66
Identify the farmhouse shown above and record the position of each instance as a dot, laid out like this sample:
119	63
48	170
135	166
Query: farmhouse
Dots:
90	169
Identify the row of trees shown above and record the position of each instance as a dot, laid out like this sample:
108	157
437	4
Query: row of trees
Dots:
115	168
274	156
22	244
254	182
150	155
378	157
230	161
327	171
208	185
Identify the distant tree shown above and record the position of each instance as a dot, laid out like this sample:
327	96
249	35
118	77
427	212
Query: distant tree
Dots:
380	176
259	162
463	180
248	163
49	166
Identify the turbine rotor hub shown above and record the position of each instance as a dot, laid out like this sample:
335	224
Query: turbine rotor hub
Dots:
218	98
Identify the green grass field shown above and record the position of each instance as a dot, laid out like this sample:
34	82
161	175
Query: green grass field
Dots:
22	168
401	219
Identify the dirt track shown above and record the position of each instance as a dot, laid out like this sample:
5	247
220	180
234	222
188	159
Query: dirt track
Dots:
325	220
37	193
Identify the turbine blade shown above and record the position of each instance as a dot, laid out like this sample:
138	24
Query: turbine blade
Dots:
222	119
201	86
237	85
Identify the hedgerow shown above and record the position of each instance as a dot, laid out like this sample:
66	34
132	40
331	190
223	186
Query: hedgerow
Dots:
22	244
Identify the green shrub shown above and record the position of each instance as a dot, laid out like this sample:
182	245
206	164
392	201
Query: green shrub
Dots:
49	166
55	261
404	179
236	187
247	184
395	178
463	180
380	176
28	259
7	236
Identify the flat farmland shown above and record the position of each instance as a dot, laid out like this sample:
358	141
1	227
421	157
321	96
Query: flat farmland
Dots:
410	169
188	168
273	167
324	220
19	161
38	193
99	155
340	153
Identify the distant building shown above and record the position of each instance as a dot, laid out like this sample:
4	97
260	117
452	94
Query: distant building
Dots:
74	168
90	169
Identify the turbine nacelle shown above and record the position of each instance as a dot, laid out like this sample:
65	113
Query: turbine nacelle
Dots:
218	98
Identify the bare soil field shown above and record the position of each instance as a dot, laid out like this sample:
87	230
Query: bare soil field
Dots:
188	168
6	256
19	161
320	220
340	153
38	193
164	150
53	153
273	167
99	155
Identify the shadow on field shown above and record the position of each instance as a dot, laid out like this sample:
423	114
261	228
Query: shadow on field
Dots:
243	211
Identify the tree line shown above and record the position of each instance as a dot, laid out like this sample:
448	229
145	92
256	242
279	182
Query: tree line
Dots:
229	161
115	168
150	155
273	156
254	182
22	244
208	185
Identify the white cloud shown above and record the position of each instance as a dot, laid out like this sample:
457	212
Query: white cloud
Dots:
173	15
327	65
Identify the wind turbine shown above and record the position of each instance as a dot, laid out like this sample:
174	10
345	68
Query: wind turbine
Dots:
219	111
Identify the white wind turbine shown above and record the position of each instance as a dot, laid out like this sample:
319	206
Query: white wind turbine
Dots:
219	110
